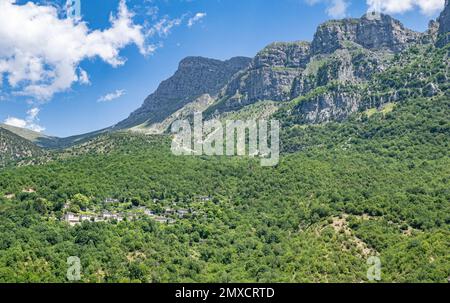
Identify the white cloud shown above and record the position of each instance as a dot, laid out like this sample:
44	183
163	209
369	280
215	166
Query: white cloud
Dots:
427	7
83	77
335	8
112	96
13	121
196	18
40	53
32	113
164	26
338	8
30	122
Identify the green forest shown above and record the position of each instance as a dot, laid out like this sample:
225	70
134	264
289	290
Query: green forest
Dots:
374	185
364	172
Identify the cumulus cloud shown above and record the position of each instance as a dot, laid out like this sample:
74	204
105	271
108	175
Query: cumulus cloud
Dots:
335	8
427	7
197	17
40	52
112	96
30	122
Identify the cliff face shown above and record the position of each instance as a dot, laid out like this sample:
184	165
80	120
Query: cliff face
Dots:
444	19
270	75
196	76
444	25
384	34
333	105
348	51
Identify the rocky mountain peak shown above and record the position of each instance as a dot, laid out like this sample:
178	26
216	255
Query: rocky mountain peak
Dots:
195	77
189	64
385	33
283	54
270	75
347	51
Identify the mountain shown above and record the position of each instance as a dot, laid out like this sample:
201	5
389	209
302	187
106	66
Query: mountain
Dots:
24	132
407	76
335	75
269	77
50	142
195	77
363	172
37	138
343	192
14	148
444	25
348	51
385	33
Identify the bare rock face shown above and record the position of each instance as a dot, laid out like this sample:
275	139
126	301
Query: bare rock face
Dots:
333	105
270	76
346	52
288	55
444	19
444	25
352	64
383	34
195	77
431	34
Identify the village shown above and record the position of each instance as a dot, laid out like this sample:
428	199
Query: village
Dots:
115	210
167	216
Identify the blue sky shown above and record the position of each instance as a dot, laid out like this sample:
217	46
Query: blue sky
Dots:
212	28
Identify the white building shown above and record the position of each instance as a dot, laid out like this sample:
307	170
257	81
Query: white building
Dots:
72	219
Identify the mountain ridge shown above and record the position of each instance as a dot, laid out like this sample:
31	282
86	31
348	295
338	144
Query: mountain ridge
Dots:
347	51
196	76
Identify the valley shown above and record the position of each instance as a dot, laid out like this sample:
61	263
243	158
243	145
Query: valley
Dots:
364	172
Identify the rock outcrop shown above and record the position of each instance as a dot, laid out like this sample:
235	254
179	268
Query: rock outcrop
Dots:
385	33
332	105
195	77
348	50
343	53
444	25
270	76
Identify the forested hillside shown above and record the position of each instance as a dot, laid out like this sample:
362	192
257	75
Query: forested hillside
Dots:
375	185
14	148
364	171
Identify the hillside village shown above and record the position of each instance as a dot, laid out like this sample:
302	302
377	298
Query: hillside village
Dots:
115	210
167	216
363	173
